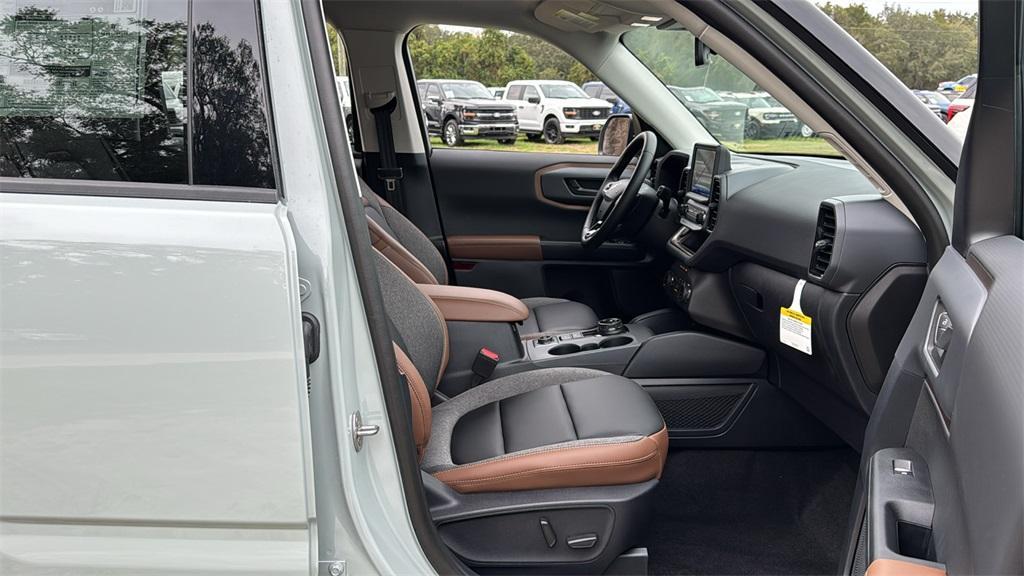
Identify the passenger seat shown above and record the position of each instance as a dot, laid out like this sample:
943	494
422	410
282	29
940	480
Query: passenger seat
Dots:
413	253
545	428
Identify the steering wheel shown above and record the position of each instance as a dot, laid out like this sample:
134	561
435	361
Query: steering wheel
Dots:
618	195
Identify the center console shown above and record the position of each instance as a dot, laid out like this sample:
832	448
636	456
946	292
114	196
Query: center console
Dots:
612	343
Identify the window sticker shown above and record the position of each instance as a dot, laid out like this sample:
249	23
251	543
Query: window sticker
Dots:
73	58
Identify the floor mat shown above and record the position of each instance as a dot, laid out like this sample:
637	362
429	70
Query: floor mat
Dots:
752	512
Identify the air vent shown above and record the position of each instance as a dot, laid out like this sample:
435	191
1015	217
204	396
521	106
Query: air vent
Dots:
716	196
824	240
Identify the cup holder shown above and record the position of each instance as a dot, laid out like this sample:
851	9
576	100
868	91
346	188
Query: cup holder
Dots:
615	341
563	349
589	346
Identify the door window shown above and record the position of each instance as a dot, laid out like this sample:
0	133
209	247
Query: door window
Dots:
433	93
231	133
345	89
469	63
95	97
93	94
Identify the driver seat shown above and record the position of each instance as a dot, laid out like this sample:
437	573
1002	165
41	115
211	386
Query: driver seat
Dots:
401	242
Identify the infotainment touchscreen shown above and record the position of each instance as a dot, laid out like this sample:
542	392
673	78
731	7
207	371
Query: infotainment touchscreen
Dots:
703	173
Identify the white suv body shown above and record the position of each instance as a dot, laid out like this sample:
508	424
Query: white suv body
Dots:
554	109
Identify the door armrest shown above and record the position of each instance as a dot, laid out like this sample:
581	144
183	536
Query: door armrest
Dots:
886	567
459	303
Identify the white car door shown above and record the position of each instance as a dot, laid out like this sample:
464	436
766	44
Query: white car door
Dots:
153	410
529	112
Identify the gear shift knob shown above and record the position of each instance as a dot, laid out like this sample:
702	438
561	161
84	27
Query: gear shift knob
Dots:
610	326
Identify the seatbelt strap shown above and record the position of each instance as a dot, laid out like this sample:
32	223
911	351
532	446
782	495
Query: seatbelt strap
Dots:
389	171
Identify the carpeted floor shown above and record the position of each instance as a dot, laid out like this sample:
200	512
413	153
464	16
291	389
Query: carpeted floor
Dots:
752	512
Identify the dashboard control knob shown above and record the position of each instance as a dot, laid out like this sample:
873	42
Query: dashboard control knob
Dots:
609	326
545	340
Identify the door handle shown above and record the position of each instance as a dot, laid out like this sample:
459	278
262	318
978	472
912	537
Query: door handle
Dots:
579	189
940	334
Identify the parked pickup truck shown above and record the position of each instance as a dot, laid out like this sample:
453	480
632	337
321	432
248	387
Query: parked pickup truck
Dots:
458	110
555	109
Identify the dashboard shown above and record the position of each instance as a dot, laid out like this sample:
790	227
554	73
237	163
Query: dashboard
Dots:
786	212
743	231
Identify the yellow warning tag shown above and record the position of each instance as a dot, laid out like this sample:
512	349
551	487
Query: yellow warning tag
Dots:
795	315
794	325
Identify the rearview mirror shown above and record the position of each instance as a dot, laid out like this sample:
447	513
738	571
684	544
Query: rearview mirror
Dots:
533	99
615	135
701	53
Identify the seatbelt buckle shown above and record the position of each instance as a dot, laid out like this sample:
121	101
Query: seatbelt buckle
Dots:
484	364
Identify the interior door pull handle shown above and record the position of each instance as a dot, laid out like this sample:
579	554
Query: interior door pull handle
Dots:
579	189
943	331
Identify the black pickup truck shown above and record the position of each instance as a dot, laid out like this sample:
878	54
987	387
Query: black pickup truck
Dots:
459	110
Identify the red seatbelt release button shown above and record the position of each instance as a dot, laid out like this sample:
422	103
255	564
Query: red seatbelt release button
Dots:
484	364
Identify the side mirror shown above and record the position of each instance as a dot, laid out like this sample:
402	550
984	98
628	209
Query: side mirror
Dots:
615	135
533	99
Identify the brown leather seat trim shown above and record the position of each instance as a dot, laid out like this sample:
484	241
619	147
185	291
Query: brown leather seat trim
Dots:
475	304
419	397
886	567
495	247
394	251
577	466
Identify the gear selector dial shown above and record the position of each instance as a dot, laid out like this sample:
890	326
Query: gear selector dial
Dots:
610	326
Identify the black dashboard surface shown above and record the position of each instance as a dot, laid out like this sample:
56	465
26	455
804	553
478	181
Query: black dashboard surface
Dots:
768	214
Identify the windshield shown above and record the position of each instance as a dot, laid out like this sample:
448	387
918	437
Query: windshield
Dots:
668	54
466	90
562	91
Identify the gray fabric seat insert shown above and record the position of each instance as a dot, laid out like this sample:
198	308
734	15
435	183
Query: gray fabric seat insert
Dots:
546	314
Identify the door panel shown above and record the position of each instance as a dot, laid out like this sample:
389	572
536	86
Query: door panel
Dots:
150	388
943	465
953	406
505	193
513	223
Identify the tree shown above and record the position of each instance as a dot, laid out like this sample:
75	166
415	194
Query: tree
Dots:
921	49
489	57
337	51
